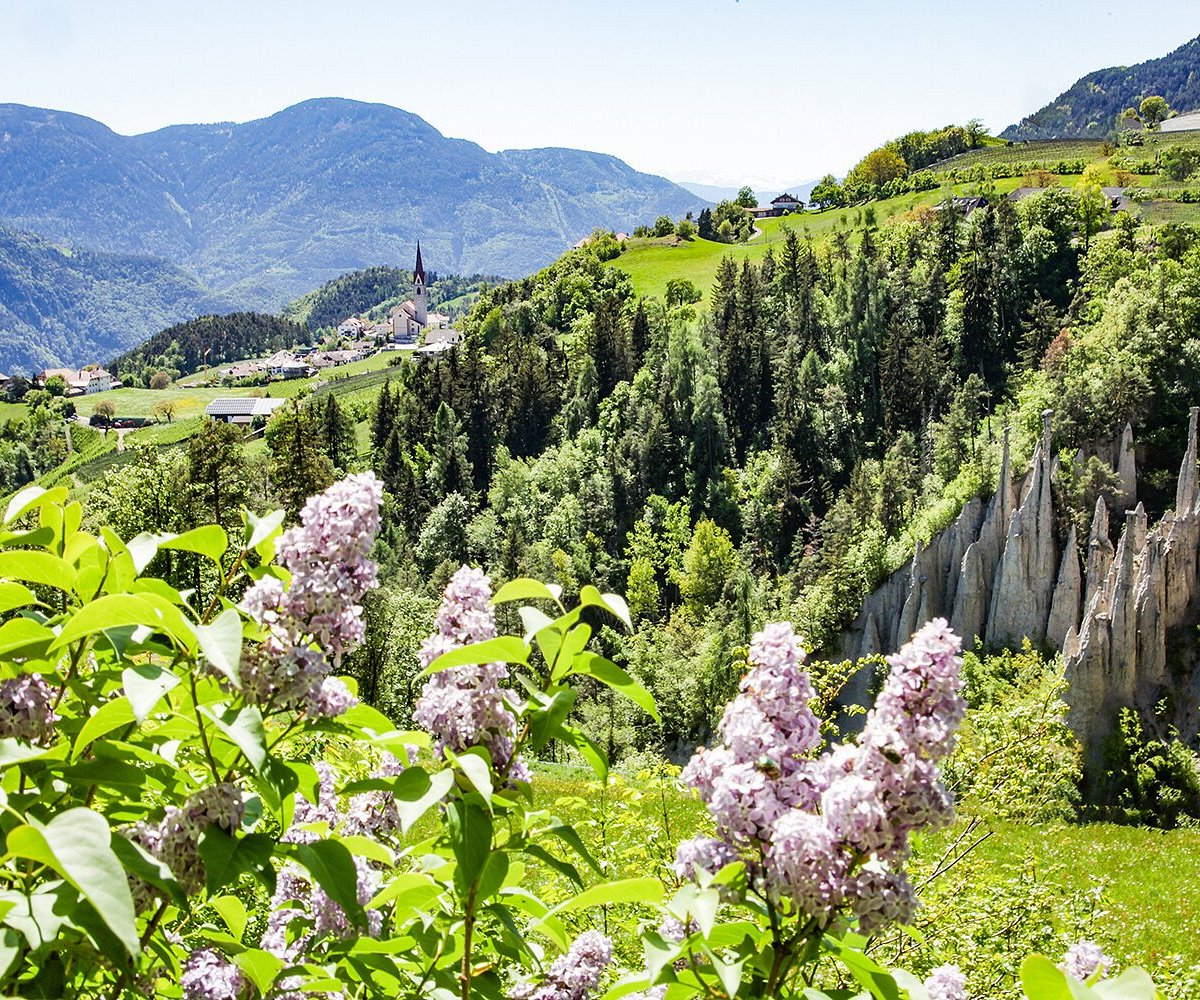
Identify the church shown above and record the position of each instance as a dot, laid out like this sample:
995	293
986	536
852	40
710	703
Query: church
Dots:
412	316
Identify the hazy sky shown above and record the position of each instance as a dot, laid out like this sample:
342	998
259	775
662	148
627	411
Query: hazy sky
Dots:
723	91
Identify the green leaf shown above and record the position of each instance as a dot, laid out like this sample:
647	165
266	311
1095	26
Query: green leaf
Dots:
866	972
208	540
78	845
607	672
113	610
145	684
589	748
33	566
478	772
23	633
495	870
261	532
332	867
546	717
503	649
142	549
14	595
568	836
370	848
630	890
415	790
111	715
261	968
408	892
227	858
221	643
614	604
564	868
1041	979
31	497
534	621
1132	984
244	730
233	912
526	589
470	829
140	862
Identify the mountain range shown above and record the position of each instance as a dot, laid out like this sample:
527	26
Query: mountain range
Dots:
1089	108
260	212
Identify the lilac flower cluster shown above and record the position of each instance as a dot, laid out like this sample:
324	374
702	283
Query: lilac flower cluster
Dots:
25	708
946	983
830	833
208	976
574	975
1083	959
372	814
464	706
762	769
317	618
175	839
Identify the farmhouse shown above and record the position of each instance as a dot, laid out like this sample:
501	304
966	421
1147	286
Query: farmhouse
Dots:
243	410
785	204
81	382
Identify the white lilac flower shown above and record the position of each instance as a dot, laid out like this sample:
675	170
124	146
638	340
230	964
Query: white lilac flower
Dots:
310	624
464	706
1083	959
573	976
25	708
946	983
209	976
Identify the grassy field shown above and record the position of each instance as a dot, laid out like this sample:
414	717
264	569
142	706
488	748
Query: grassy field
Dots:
651	263
1132	889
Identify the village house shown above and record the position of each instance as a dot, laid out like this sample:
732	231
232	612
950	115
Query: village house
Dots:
243	410
785	204
82	381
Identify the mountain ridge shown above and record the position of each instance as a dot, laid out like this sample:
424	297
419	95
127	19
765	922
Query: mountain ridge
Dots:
1090	106
267	209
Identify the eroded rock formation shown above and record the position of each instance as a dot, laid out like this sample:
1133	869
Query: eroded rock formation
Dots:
998	574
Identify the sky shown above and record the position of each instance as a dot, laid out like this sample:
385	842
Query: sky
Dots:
764	92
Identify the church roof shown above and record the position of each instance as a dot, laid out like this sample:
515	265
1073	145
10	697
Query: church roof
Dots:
419	270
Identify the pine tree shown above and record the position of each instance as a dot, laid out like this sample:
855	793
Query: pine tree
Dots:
299	467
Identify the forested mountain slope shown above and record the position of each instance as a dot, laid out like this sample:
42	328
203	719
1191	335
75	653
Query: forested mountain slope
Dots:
67	306
266	210
1089	108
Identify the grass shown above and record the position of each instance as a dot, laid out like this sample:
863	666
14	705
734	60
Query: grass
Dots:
651	263
1131	888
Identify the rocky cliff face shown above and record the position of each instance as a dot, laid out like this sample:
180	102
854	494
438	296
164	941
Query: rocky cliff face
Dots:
998	574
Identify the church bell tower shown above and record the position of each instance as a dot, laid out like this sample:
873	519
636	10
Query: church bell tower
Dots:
420	294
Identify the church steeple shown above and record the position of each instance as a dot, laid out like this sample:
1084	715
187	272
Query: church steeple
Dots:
420	295
419	270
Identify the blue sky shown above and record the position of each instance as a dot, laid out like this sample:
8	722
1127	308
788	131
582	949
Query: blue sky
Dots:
723	91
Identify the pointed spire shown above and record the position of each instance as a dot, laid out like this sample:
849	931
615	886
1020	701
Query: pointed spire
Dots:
419	270
1186	492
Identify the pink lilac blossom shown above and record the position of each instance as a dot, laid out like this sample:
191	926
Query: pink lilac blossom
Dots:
310	624
464	706
209	976
946	983
175	839
573	976
832	833
25	708
1083	959
805	863
704	853
374	814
